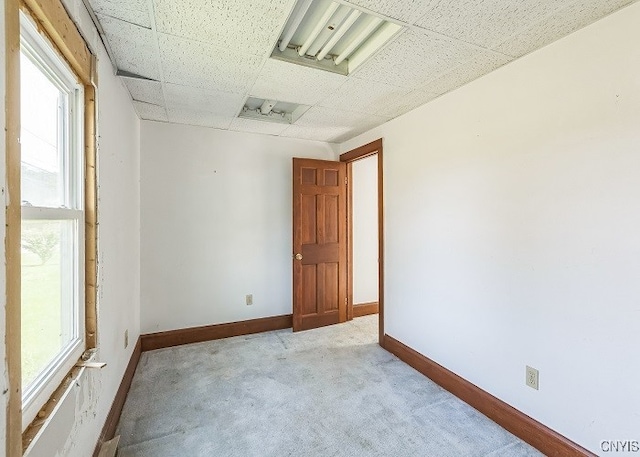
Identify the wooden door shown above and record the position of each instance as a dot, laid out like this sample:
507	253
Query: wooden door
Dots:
319	243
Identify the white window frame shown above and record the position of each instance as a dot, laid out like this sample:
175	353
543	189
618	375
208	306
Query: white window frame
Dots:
43	55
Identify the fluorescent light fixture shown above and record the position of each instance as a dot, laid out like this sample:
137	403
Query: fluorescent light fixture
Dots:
355	14
298	13
377	40
374	22
318	28
260	109
329	30
267	106
332	36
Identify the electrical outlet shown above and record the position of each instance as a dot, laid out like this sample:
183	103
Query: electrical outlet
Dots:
249	299
532	378
126	338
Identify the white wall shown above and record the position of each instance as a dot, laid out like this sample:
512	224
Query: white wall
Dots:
512	221
74	429
216	224
364	182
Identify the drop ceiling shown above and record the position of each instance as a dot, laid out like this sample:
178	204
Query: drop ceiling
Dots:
198	61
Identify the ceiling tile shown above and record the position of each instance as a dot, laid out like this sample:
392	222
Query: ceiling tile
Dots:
249	125
150	112
482	63
351	134
364	96
486	23
133	11
145	91
562	23
406	103
251	27
415	57
206	101
317	133
196	64
134	47
327	124
318	115
289	82
406	10
190	116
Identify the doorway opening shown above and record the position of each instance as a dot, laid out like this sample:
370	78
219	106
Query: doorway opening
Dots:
365	266
323	240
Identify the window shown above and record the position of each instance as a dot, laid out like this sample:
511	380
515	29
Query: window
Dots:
52	232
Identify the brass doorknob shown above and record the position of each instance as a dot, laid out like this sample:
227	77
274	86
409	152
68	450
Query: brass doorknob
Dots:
298	257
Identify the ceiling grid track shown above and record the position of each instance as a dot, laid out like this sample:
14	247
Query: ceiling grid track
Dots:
154	29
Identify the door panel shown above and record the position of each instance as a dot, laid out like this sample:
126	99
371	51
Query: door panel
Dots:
308	210
331	281
320	237
332	220
309	297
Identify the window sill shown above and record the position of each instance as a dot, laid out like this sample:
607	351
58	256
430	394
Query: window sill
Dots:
86	361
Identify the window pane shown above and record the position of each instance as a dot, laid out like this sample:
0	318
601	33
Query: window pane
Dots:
49	322
42	107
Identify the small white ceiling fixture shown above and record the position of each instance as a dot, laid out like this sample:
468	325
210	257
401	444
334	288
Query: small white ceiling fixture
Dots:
332	36
272	110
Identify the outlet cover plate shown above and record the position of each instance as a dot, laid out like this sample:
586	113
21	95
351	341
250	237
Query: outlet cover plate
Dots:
532	378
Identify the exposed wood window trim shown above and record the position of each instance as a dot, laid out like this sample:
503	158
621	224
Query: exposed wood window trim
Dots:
13	222
90	216
54	22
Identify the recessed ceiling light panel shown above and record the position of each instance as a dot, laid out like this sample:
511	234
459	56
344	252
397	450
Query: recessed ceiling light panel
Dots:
332	36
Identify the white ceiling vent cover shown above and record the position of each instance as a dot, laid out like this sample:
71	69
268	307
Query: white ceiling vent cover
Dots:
260	109
332	36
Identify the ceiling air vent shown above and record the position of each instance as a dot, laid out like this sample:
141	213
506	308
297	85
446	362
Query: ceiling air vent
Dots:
260	109
331	36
